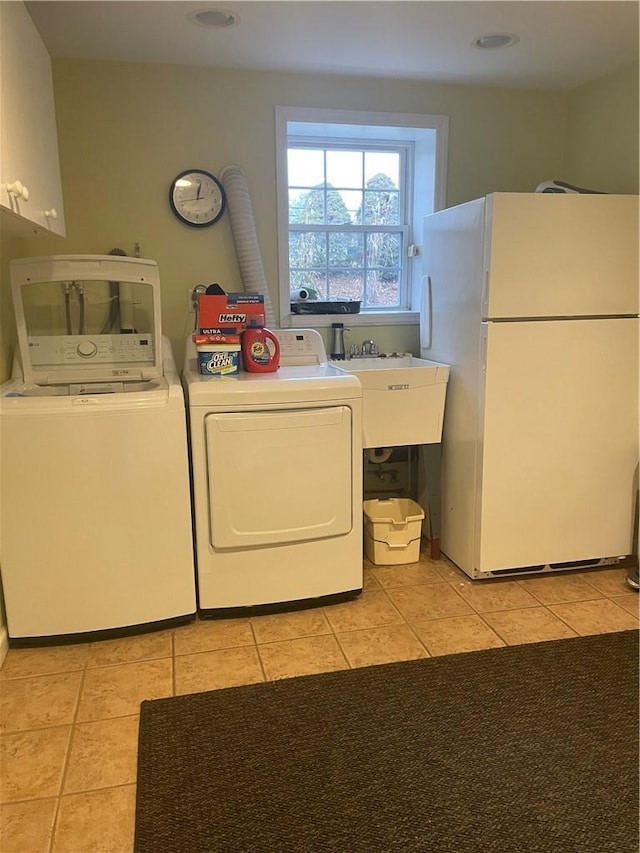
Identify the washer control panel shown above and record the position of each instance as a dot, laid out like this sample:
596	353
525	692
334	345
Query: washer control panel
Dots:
49	350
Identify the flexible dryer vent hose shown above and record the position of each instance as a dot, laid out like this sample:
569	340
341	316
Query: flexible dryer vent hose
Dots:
244	235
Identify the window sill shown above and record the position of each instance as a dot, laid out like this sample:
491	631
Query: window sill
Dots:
388	318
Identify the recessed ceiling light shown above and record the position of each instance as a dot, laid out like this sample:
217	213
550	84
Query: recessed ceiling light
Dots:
492	41
214	18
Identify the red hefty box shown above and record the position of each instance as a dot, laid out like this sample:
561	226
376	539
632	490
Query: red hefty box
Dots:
229	311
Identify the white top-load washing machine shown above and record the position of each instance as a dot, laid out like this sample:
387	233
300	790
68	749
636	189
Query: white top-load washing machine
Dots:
277	481
95	512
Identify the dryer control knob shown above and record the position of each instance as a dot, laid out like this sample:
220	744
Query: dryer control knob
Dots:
87	349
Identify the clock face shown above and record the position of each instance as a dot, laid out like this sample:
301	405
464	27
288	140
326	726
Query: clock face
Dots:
197	198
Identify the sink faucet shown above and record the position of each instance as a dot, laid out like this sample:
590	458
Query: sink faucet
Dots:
369	348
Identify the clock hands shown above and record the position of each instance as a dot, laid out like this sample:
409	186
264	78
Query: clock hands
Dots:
197	197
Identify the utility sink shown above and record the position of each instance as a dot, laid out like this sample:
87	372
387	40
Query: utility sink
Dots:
402	399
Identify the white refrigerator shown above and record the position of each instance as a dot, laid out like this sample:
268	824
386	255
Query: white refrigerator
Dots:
532	298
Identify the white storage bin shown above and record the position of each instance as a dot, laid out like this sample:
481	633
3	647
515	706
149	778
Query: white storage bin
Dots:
392	530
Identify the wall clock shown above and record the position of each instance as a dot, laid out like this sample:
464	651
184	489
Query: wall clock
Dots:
197	198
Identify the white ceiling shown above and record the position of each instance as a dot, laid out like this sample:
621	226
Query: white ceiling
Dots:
562	44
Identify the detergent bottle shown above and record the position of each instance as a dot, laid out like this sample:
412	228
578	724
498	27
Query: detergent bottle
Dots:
260	347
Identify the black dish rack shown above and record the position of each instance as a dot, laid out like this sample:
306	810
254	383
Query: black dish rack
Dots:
334	306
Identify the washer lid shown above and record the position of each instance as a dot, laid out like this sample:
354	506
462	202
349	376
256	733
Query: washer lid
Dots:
18	398
87	318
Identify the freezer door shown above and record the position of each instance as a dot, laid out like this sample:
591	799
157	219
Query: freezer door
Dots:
563	255
279	476
453	251
558	453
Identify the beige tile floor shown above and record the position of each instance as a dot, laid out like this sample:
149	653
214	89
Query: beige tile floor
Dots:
69	715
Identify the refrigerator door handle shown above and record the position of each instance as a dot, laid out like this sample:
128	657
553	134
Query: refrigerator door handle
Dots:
483	347
485	294
426	314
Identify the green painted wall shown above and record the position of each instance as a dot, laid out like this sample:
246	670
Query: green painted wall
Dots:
602	138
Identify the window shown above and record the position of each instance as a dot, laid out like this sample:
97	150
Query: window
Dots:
347	226
353	189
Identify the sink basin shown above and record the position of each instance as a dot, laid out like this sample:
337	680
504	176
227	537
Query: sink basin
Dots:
382	362
402	399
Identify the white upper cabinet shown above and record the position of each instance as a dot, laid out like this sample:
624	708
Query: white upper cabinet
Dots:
30	182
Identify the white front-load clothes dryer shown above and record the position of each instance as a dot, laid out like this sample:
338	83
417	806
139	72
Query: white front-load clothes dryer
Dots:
95	511
276	464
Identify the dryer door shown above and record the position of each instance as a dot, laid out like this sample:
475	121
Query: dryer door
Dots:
279	476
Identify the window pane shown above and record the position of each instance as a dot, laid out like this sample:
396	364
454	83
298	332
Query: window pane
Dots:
383	290
382	163
305	167
346	250
353	203
383	250
306	207
381	203
345	284
307	249
344	169
337	213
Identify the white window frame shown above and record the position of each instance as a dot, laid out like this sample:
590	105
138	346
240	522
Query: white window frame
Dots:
425	187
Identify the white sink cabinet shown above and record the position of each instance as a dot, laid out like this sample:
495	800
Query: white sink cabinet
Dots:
403	400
